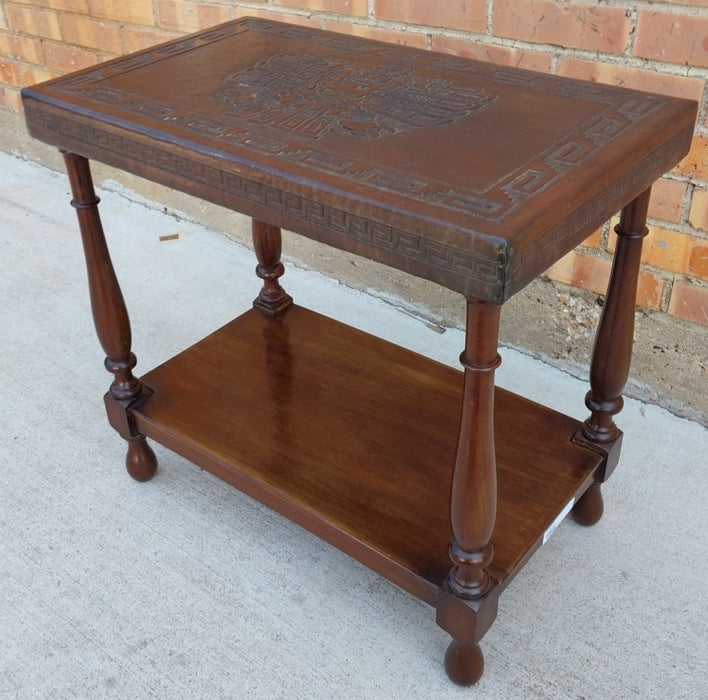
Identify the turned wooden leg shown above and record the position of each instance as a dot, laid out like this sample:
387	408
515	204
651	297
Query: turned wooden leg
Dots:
473	499
267	241
612	353
110	318
464	663
589	508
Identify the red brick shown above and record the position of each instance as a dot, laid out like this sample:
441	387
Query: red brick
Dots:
502	55
69	5
666	201
17	75
589	272
666	249
595	239
695	164
91	33
633	78
381	34
188	16
690	3
466	15
662	248
79	6
64	58
581	270
690	302
10	73
292	18
673	38
22	48
10	99
612	237
33	21
134	11
698	261
650	290
589	27
698	216
359	8
135	39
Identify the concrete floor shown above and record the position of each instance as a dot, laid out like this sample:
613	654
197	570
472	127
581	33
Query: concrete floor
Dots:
184	588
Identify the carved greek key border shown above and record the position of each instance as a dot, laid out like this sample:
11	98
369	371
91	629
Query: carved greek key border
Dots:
449	261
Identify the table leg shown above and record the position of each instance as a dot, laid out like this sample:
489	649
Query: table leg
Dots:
110	318
267	241
473	500
612	354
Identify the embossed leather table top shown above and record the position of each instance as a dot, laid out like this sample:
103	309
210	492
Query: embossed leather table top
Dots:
472	175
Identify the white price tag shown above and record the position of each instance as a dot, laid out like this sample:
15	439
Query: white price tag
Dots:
552	527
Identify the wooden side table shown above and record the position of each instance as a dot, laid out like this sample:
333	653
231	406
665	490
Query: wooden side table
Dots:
475	176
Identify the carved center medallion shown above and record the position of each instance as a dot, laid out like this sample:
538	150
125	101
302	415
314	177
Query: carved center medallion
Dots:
313	96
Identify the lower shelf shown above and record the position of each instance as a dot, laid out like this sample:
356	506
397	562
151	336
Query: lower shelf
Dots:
354	439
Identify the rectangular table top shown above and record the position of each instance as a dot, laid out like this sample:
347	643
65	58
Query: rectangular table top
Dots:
473	175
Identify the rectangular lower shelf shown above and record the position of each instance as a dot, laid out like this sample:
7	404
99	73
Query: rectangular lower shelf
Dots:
354	438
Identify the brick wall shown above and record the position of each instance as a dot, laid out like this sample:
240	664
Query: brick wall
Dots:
658	46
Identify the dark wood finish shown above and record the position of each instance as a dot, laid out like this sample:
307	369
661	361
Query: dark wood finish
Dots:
469	174
344	453
109	313
473	499
466	620
267	242
110	318
474	176
464	663
590	507
612	353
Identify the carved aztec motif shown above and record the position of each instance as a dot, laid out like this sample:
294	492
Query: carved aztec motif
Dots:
294	94
315	95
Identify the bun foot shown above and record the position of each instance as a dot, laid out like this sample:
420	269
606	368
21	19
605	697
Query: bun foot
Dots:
140	461
589	508
464	663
